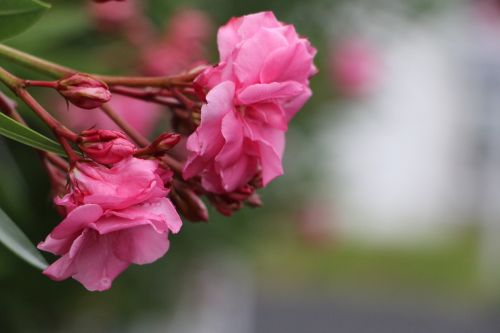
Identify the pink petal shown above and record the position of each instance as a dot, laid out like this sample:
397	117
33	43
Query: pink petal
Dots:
77	220
270	114
239	174
61	269
207	141
272	149
55	246
253	52
293	106
96	264
140	245
292	63
232	132
242	28
267	92
159	214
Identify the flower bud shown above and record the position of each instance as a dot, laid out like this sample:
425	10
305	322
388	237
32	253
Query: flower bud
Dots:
189	204
106	146
165	142
84	91
254	200
160	145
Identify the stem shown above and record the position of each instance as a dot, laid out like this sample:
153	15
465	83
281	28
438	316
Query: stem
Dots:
56	160
10	80
139	81
172	163
8	107
43	84
58	129
72	156
17	86
38	64
148	96
58	71
129	130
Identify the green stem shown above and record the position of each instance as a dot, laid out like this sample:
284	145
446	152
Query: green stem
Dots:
18	87
129	130
38	64
57	71
10	80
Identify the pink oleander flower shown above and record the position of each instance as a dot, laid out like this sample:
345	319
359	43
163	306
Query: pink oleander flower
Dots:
105	146
115	217
259	85
142	115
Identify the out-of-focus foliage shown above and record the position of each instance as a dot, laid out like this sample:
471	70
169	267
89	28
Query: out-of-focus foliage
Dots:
13	238
18	15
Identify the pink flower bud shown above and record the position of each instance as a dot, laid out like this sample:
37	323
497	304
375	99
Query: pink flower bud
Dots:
165	141
105	146
189	204
84	91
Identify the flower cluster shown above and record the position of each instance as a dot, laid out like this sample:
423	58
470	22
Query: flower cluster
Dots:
115	217
120	191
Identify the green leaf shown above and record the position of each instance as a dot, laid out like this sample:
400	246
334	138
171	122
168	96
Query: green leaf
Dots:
15	240
18	15
20	133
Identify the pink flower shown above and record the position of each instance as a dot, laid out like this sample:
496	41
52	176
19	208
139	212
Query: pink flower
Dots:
105	146
258	49
354	67
181	47
115	217
139	114
259	85
112	13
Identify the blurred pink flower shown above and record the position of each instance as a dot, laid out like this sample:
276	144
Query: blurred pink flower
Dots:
354	67
126	17
105	146
141	115
114	13
259	85
116	217
182	46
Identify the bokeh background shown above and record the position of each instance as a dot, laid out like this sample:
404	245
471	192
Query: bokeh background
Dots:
388	217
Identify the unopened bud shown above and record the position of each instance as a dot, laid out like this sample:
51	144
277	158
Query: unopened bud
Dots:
106	146
165	142
189	204
84	91
254	200
160	145
224	205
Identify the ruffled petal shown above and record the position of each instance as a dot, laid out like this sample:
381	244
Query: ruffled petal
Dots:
140	245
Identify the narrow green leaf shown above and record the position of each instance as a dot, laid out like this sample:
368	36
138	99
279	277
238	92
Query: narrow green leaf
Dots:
20	133
15	240
18	15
